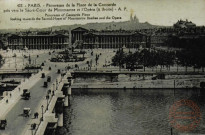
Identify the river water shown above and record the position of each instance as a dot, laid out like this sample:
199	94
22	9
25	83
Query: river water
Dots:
125	112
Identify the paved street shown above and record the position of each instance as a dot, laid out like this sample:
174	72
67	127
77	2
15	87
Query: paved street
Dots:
16	122
14	118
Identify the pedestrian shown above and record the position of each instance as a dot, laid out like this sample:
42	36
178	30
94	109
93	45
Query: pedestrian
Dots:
33	126
36	114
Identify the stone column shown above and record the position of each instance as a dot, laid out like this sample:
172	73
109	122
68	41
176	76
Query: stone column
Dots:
39	43
78	36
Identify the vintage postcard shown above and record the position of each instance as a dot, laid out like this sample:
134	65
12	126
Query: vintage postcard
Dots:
102	67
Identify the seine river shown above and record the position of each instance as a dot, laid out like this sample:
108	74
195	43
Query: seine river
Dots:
125	112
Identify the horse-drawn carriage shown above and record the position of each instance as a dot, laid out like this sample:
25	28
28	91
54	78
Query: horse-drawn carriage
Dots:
26	112
3	123
26	94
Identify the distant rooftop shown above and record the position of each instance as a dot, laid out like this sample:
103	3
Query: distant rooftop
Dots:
184	24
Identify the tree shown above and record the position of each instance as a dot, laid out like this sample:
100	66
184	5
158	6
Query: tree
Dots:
130	61
146	59
185	58
166	59
1	60
119	59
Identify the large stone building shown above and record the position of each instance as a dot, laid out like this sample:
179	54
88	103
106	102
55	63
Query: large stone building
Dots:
184	24
109	39
80	38
77	34
49	41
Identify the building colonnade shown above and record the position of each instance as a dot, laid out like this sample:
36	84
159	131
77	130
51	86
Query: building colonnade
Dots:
112	42
38	42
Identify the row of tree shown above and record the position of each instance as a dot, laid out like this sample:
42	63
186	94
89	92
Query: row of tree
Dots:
1	60
153	59
186	41
193	46
191	58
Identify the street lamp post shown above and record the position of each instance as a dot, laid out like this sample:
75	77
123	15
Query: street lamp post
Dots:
23	60
15	61
42	112
56	84
47	97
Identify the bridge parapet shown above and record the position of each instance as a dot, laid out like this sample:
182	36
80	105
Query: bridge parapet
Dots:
50	117
58	100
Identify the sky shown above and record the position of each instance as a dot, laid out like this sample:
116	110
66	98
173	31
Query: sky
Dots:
156	12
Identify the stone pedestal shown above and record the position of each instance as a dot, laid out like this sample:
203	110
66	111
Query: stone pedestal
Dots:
60	119
66	101
69	91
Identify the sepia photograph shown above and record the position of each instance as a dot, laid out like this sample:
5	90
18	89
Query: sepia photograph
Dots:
102	67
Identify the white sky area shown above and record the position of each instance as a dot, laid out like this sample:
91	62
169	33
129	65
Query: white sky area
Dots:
156	12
